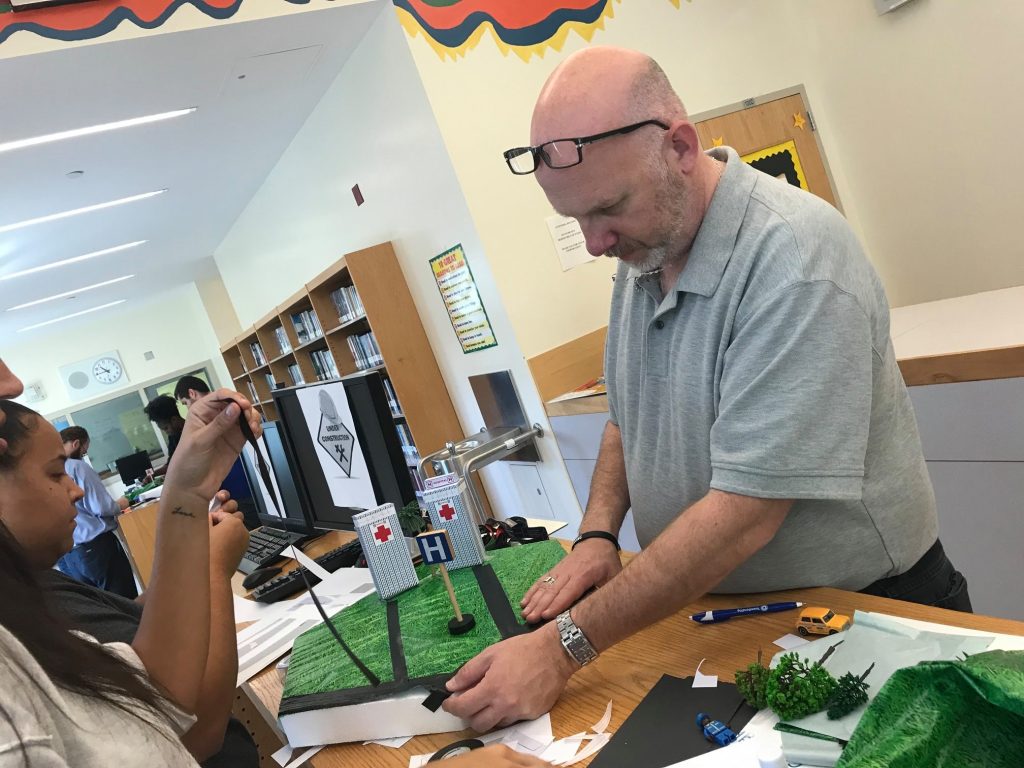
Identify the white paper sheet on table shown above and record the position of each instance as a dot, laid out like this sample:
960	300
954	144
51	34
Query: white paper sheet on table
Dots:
789	642
700	680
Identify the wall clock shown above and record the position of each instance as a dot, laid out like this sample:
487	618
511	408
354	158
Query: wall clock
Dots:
94	375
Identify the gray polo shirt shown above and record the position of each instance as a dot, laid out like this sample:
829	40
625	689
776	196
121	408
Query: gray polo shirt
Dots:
769	372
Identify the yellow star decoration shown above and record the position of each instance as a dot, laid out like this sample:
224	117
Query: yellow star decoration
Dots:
799	121
718	141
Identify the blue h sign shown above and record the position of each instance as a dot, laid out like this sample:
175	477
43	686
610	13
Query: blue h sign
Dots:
436	547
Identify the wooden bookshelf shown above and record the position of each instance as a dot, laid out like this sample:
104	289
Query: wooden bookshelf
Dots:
390	315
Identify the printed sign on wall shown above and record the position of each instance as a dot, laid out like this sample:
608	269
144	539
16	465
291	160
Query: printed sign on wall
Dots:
462	300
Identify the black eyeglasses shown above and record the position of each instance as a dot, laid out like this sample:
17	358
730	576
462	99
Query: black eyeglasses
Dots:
563	153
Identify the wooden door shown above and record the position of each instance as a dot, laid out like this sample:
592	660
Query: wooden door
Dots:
776	136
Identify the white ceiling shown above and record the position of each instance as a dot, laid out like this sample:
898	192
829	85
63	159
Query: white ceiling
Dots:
211	162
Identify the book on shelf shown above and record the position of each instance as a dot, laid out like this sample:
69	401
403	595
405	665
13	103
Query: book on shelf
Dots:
257	353
282	340
405	438
365	351
347	302
393	404
323	365
270	381
306	326
295	373
253	395
417	481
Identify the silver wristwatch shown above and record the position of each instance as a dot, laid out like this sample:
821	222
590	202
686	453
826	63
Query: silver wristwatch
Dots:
574	641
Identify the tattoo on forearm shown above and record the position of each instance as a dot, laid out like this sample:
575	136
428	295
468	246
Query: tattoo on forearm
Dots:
182	512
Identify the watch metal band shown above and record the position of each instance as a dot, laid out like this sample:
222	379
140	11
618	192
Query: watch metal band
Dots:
598	535
574	641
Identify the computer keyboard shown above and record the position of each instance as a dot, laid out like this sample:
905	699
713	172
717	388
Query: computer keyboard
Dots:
291	583
267	545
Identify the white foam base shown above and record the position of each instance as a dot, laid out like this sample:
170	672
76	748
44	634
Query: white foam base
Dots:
402	715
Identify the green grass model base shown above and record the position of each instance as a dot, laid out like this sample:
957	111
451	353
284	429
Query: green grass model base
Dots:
405	641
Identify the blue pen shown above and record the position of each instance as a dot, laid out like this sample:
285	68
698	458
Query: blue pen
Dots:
712	617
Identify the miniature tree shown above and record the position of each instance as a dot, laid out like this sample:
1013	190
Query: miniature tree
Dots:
751	683
850	692
797	688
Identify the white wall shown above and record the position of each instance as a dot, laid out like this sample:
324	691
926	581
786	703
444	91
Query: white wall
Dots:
173	325
915	110
374	127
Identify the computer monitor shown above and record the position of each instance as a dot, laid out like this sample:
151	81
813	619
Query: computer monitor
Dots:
349	458
133	466
293	515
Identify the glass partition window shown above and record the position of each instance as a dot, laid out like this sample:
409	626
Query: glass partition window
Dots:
117	427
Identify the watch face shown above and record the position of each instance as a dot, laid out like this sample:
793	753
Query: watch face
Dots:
107	370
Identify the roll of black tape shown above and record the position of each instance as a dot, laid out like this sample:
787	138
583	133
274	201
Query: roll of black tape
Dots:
456	749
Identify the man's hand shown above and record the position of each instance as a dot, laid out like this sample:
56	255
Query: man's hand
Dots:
593	563
495	756
210	443
228	539
517	679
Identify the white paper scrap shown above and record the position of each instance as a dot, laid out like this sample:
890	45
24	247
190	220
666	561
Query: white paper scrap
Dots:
700	680
564	749
396	743
289	758
310	564
601	725
596	745
789	642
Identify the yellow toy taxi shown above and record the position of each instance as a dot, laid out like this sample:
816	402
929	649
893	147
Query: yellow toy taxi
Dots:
821	621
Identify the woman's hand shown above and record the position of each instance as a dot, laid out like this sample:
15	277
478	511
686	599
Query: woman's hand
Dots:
210	443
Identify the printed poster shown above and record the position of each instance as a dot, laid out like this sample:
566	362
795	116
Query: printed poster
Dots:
462	300
330	424
570	244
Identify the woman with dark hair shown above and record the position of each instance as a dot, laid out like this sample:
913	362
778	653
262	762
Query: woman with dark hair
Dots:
97	557
83	703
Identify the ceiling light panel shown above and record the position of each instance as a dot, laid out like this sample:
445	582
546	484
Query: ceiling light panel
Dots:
72	315
78	211
74	133
73	260
75	292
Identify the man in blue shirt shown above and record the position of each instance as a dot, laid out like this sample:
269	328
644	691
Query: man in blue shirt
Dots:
97	557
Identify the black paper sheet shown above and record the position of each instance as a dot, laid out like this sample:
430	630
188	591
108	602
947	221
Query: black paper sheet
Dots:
663	729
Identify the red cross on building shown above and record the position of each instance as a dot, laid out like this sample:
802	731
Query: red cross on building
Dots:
382	534
447	511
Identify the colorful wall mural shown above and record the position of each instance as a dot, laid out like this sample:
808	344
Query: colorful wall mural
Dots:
524	27
86	21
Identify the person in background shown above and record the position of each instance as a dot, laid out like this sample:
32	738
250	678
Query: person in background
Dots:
163	411
97	557
188	391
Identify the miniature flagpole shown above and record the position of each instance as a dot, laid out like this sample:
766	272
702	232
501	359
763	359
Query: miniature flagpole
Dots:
451	592
436	548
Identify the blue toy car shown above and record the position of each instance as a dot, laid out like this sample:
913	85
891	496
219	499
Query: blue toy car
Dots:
715	731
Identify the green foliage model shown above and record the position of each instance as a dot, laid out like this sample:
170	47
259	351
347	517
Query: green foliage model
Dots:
751	683
797	688
851	692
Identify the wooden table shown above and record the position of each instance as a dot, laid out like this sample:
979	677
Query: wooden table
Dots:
628	671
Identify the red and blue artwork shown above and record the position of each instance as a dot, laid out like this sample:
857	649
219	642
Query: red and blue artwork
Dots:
85	21
521	23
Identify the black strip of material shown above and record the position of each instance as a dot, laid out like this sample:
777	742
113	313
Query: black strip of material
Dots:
399	668
504	616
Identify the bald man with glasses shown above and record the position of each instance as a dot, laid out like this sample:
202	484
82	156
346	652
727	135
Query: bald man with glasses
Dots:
759	427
